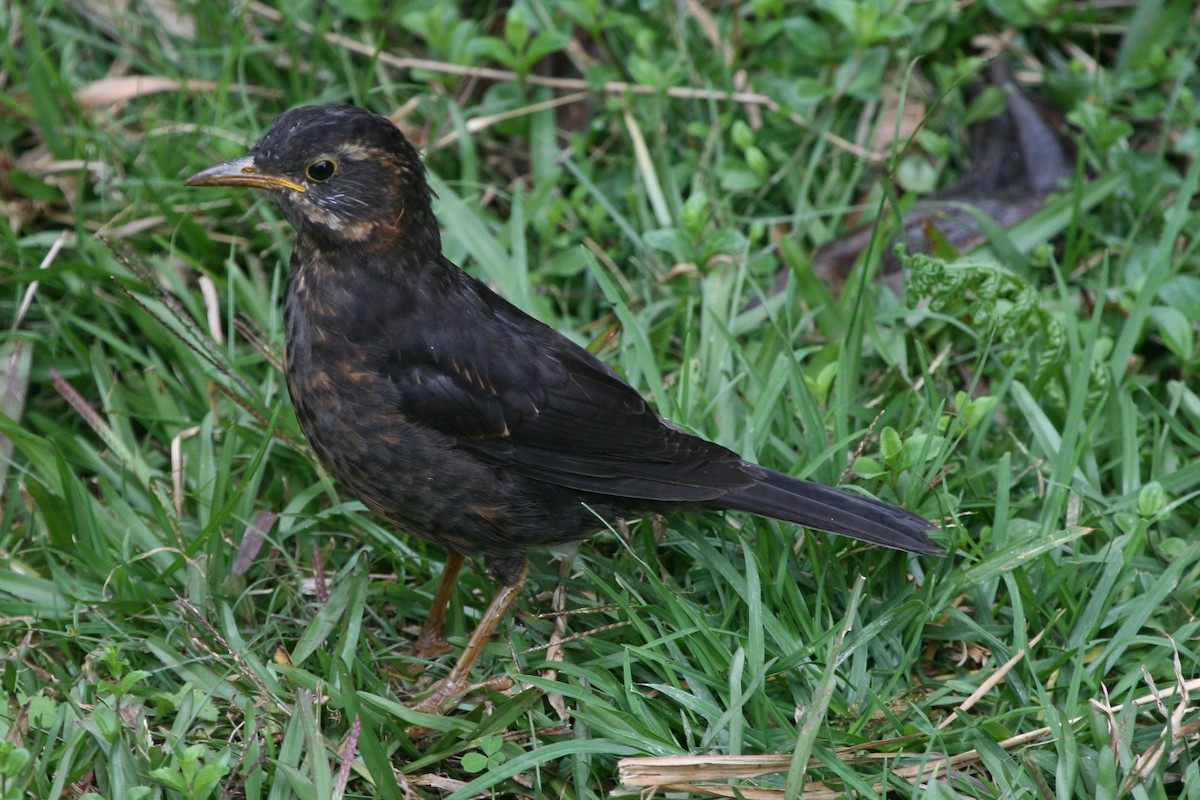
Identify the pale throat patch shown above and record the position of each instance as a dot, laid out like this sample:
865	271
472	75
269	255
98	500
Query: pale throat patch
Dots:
349	230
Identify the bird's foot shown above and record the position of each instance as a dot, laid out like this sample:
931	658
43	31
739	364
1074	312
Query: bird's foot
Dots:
429	646
422	651
430	643
456	682
446	690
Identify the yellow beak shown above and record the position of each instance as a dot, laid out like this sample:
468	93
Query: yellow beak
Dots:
242	172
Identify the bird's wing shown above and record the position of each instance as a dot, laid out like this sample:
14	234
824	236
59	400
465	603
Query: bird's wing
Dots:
516	393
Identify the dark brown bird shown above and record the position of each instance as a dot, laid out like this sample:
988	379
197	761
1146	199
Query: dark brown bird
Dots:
454	415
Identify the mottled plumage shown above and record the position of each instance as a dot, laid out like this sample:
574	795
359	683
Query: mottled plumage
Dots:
451	413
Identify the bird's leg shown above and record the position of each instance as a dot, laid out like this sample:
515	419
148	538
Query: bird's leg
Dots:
430	642
456	682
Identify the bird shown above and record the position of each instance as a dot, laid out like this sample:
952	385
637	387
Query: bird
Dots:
455	416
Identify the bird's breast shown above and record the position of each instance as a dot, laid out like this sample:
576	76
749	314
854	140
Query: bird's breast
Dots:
402	469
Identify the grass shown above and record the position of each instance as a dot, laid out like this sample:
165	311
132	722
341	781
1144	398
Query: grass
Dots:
190	608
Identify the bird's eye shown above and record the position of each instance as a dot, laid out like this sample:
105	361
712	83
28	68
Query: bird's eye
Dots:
321	171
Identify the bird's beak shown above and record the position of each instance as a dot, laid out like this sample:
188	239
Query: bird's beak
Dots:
242	172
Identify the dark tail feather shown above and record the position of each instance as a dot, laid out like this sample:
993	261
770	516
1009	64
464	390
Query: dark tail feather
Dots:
815	506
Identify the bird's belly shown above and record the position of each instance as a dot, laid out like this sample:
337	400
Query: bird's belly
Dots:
417	478
405	472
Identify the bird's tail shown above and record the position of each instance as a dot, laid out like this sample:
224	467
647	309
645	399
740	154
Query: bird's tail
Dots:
783	497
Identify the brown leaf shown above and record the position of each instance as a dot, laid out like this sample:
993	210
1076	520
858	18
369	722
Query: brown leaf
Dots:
118	89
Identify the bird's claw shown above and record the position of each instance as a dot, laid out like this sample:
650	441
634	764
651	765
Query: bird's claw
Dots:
428	647
446	690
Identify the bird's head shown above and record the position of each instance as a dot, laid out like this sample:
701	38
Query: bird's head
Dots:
343	176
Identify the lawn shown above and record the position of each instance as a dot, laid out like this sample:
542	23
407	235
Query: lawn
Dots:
191	608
